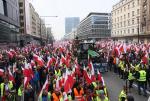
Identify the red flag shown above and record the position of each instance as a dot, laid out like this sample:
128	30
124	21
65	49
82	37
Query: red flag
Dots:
39	60
10	55
11	77
62	60
1	72
88	80
145	58
44	87
99	76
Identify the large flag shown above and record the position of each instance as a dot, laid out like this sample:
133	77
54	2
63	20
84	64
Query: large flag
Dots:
44	87
39	60
11	77
1	72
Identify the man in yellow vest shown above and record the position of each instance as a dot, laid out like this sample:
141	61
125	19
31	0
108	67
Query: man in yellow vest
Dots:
57	72
6	87
131	78
142	75
123	94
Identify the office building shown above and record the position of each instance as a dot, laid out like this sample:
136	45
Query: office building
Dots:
71	23
9	21
95	26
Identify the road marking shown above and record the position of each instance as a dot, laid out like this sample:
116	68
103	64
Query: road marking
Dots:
135	85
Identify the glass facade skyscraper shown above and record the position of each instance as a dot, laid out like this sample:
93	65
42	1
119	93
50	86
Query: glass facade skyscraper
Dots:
71	23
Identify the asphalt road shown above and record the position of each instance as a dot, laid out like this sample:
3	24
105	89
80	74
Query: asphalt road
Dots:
115	84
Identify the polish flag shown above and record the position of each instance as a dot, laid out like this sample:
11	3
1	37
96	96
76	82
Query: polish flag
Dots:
13	51
90	64
15	67
44	87
86	76
10	54
1	72
145	58
77	68
32	63
57	62
62	60
39	60
92	73
11	77
50	61
99	76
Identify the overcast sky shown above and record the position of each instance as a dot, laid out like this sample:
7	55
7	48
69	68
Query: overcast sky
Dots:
69	8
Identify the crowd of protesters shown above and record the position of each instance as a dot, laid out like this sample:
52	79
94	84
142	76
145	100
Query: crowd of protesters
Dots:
52	73
131	63
48	73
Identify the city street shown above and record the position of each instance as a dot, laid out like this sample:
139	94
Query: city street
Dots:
114	85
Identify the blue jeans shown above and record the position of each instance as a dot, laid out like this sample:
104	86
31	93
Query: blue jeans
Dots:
142	84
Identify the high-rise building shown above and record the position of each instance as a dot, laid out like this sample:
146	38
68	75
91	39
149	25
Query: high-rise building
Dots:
95	26
50	36
32	27
126	20
71	23
9	21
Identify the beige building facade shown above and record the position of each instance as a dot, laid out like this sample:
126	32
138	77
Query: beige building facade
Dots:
126	20
32	28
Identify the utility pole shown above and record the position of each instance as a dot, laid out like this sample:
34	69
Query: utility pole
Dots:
138	29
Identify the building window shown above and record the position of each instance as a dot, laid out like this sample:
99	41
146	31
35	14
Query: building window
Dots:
138	20
133	4
124	16
1	7
128	31
132	21
124	8
138	11
128	15
128	22
124	31
129	6
138	2
133	31
21	11
121	24
124	23
121	18
132	13
21	4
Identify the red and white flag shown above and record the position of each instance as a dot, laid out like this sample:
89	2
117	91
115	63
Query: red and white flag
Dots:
11	77
1	72
39	60
44	87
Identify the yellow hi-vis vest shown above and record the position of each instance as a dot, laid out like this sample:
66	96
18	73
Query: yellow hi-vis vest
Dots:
142	75
99	99
137	67
58	73
130	76
20	91
10	86
94	84
122	95
122	66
